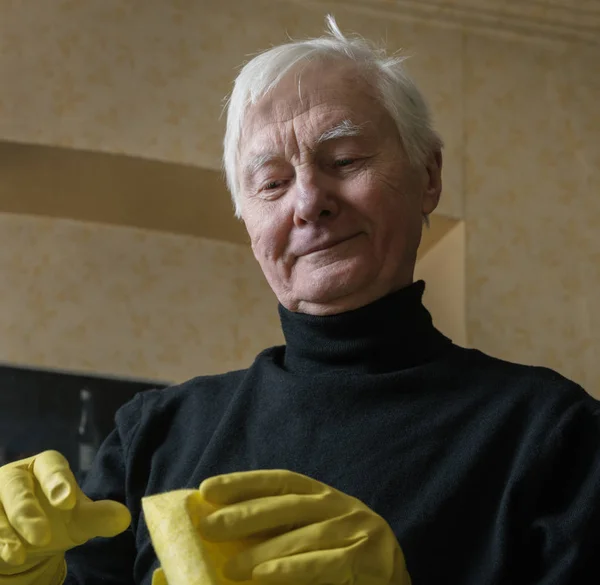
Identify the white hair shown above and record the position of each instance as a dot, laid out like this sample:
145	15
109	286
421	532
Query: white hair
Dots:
398	93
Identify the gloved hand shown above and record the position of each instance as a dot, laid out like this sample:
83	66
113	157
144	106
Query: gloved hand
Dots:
44	513
311	533
172	519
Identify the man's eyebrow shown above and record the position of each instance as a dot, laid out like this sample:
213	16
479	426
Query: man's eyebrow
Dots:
345	129
257	162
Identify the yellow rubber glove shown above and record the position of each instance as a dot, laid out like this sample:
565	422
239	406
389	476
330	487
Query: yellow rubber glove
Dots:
158	578
186	559
312	534
44	513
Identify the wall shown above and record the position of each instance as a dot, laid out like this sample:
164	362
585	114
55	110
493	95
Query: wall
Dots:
443	270
532	178
518	112
128	302
149	78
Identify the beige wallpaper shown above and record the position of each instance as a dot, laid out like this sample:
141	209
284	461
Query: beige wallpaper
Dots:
129	302
532	156
443	270
520	120
139	303
148	78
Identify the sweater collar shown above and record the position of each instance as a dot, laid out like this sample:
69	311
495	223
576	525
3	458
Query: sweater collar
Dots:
393	333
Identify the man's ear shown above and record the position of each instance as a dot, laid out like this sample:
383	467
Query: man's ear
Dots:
433	185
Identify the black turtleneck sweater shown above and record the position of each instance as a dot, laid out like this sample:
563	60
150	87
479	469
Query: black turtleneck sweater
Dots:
488	472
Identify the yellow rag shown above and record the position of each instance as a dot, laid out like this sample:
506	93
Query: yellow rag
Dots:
185	558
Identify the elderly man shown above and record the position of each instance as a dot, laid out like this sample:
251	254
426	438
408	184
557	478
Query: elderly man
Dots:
368	450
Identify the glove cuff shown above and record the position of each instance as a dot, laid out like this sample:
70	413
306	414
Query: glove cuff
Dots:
50	572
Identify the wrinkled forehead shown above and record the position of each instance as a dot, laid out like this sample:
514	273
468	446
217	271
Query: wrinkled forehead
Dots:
306	104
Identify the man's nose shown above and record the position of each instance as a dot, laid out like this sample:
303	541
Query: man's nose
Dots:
315	198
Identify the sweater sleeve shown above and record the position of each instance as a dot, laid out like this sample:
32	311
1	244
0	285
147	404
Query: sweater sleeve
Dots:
108	561
564	530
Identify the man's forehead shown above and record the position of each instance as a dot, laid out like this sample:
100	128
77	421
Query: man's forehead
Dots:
318	112
313	102
313	129
308	129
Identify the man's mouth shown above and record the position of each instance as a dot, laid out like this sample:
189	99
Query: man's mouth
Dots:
328	244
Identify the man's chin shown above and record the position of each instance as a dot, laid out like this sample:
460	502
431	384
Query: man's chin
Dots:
330	285
329	297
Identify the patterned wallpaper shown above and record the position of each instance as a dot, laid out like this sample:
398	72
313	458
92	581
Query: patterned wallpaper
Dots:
442	267
532	156
520	120
149	78
128	302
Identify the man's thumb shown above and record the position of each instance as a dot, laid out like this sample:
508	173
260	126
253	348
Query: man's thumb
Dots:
104	518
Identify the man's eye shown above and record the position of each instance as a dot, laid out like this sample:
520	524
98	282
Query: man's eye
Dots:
271	185
344	162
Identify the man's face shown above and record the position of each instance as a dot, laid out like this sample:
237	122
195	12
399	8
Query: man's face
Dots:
332	206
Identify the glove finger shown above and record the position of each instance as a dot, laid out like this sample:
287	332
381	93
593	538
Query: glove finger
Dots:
232	488
104	518
22	508
322	566
264	515
56	479
338	536
12	550
158	577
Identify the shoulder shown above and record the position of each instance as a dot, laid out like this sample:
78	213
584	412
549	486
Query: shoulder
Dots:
200	388
539	419
542	388
202	395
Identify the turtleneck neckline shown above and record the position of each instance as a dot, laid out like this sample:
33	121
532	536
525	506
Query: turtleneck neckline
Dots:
393	333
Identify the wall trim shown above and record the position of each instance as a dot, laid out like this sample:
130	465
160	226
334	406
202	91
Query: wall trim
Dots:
570	21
